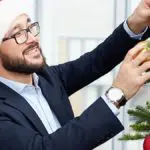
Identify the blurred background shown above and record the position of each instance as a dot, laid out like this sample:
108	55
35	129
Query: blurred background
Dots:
70	28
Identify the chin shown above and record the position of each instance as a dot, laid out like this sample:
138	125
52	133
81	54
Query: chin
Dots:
35	61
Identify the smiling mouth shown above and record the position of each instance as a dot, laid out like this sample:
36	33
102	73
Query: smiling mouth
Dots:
33	52
34	49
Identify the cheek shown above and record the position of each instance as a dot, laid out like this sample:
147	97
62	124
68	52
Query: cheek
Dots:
11	50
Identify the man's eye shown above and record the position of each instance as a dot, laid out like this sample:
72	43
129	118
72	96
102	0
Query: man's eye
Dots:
19	33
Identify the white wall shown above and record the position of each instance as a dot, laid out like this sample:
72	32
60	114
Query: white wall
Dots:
86	18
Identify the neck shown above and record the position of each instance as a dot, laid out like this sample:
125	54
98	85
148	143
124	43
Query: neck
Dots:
19	77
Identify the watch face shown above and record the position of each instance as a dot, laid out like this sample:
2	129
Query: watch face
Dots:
115	94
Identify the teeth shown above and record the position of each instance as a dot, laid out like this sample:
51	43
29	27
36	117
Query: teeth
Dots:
32	51
33	48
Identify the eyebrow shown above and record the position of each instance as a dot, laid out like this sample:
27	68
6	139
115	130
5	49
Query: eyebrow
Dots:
18	26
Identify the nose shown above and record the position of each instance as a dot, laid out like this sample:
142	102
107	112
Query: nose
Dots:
32	38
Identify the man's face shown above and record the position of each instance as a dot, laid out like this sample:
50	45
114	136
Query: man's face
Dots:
23	58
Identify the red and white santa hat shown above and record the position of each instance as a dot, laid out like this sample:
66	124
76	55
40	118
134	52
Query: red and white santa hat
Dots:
9	10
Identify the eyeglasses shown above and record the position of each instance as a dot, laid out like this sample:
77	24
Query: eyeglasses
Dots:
21	36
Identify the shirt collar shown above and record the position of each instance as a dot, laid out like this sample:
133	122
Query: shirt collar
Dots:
35	80
18	86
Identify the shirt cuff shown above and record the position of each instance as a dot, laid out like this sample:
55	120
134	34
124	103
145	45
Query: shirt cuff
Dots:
113	108
131	34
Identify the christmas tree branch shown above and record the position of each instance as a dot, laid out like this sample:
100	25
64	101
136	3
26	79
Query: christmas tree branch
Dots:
141	127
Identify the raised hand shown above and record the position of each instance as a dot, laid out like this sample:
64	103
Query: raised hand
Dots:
133	71
140	18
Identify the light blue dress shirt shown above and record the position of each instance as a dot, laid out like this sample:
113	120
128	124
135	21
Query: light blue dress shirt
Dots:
33	95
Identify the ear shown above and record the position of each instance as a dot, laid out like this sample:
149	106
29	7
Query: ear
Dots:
0	46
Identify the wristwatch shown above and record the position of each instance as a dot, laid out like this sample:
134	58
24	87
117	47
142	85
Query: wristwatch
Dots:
116	96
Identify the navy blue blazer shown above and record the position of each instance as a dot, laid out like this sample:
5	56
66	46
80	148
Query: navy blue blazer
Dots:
20	127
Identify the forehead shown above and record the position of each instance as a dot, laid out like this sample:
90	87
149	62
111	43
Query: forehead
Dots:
21	20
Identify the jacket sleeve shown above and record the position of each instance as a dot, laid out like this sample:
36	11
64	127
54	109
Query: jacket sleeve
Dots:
78	73
95	126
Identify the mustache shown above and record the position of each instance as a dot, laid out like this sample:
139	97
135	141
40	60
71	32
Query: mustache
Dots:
30	47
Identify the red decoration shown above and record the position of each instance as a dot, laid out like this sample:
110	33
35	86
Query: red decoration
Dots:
146	145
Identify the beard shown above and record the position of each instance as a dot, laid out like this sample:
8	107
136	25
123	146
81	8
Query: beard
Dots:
20	65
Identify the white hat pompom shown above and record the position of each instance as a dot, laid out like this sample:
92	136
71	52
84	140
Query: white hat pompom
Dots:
9	10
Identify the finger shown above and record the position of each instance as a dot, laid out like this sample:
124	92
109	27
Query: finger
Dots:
144	67
145	77
134	51
141	57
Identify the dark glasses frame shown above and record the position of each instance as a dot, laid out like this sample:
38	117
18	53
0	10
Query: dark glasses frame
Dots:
26	33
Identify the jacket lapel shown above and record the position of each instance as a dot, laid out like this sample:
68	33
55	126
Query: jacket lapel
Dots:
15	100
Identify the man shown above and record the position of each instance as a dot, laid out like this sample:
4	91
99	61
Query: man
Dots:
35	113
